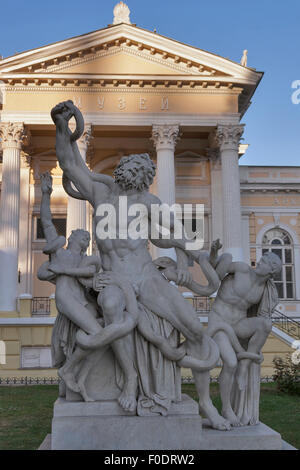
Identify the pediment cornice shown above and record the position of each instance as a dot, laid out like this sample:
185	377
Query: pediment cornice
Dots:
131	40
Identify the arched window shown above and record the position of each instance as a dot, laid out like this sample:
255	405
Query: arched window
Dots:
279	242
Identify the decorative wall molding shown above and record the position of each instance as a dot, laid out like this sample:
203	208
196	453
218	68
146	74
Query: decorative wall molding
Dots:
171	88
127	119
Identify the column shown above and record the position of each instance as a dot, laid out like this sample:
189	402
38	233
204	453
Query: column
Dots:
25	252
216	194
165	138
154	250
12	135
228	137
77	210
246	237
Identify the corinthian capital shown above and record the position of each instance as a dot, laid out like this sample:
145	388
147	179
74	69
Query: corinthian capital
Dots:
12	134
165	136
228	136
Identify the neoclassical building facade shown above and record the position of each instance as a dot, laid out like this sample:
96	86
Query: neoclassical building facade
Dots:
139	92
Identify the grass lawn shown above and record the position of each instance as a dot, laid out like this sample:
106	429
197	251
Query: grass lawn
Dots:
26	413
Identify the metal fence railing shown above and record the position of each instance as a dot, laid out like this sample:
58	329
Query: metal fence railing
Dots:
6	381
190	380
40	305
29	380
287	324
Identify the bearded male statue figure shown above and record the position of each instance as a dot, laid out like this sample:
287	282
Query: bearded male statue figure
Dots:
162	308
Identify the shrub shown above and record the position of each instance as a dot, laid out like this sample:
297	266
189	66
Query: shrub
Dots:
287	375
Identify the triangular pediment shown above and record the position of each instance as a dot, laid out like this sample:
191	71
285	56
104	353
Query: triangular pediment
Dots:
119	61
129	55
127	42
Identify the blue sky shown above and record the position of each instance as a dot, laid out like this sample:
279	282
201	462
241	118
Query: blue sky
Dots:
269	29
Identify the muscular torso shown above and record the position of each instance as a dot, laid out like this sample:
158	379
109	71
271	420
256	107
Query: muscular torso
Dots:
123	255
66	258
237	293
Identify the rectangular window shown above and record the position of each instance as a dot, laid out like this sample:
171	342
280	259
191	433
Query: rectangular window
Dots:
59	223
284	280
288	256
289	290
288	273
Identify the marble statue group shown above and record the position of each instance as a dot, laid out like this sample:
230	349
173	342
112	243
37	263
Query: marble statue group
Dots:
122	302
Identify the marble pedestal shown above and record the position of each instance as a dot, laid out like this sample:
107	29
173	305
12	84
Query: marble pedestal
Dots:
104	425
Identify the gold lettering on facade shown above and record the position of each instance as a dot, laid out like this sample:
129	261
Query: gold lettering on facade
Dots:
101	102
121	103
164	103
143	103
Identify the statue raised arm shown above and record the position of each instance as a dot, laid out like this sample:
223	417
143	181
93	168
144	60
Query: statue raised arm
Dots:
74	168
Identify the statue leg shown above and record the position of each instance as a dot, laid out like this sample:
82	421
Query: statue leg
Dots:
84	370
202	382
83	318
78	314
112	302
67	371
226	377
257	330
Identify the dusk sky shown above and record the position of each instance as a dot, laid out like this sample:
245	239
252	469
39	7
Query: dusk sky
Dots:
268	29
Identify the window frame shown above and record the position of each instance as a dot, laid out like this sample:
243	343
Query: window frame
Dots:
35	222
271	247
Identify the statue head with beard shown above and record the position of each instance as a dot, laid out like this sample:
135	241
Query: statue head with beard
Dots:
135	172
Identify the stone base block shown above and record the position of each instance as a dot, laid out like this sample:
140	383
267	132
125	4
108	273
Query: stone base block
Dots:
258	437
46	444
103	426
